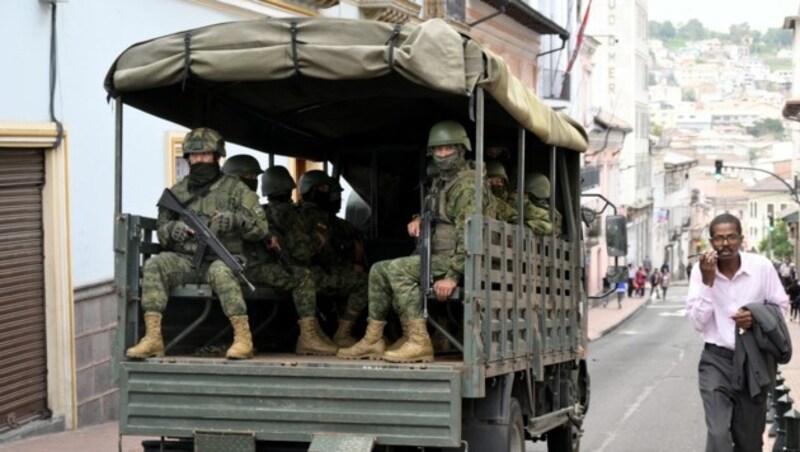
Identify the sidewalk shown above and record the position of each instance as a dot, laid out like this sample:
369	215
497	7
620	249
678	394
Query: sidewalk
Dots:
104	437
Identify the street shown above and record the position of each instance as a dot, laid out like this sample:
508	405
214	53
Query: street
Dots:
644	384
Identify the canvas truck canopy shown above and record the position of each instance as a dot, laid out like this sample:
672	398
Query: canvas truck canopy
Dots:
305	86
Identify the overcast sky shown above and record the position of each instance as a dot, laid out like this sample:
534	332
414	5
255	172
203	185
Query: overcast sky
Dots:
718	15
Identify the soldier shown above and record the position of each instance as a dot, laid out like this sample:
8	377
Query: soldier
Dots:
283	262
537	190
234	215
536	218
245	167
396	283
333	275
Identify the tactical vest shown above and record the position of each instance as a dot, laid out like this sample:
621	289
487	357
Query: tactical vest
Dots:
445	237
221	197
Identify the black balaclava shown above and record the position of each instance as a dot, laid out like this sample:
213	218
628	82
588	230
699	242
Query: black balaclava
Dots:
201	174
281	196
318	197
252	183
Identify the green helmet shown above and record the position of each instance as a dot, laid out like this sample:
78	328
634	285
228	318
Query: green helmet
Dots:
538	185
496	169
241	165
203	140
313	178
448	132
276	179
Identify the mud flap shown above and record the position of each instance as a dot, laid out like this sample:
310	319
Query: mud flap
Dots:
341	442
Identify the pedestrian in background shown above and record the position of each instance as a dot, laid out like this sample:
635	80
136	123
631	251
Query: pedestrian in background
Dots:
655	281
641	281
664	283
631	280
794	298
621	288
729	297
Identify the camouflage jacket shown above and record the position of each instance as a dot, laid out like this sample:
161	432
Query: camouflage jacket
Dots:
286	223
228	194
318	227
453	201
536	218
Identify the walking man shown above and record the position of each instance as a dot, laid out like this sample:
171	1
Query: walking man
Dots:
727	293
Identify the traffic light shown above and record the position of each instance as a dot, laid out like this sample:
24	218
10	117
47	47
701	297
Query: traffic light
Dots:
718	170
771	222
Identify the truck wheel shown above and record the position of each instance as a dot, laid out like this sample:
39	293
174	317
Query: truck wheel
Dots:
564	438
516	428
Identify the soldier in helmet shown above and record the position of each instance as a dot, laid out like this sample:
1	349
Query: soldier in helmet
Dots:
284	262
395	283
245	167
535	218
233	214
334	275
537	190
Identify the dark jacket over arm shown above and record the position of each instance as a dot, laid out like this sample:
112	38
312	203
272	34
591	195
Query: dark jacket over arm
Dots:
758	349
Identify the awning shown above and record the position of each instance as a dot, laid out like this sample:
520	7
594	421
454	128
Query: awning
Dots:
529	17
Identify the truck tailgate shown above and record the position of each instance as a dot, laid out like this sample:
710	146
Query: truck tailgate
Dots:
292	398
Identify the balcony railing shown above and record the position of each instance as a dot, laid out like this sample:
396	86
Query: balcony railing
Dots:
554	84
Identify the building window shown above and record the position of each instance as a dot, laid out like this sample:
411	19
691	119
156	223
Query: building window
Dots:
177	166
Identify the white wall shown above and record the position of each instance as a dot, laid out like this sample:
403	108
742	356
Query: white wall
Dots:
90	36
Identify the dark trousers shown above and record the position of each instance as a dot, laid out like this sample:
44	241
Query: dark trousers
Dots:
735	421
630	287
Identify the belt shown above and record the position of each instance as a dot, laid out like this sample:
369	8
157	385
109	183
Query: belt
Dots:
719	351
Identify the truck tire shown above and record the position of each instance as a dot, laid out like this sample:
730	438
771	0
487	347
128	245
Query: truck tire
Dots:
516	427
564	438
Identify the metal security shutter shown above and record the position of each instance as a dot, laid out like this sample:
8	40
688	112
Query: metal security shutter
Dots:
23	371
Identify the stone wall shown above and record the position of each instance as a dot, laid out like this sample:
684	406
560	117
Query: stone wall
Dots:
95	327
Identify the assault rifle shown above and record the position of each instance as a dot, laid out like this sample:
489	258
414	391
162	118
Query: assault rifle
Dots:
424	250
205	238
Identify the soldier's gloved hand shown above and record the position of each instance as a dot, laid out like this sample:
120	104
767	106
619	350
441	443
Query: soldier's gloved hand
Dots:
180	231
222	222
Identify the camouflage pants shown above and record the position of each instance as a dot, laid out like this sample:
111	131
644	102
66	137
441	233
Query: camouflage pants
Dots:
395	283
343	281
298	282
167	270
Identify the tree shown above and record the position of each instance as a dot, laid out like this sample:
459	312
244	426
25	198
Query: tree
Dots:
688	95
781	246
654	29
693	30
766	126
668	30
739	31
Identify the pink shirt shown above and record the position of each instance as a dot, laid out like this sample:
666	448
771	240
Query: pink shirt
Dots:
709	309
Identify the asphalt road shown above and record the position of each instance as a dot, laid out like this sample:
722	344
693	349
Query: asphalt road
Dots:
644	384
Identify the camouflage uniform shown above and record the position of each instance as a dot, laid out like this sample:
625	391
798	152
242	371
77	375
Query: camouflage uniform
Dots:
266	268
536	218
395	282
169	269
333	274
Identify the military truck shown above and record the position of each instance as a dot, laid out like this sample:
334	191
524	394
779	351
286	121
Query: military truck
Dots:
361	96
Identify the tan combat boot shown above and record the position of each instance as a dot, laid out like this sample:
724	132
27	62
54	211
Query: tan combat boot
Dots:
417	348
242	347
324	337
370	347
152	344
399	343
342	336
312	340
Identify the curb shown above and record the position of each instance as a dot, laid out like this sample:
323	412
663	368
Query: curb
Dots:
623	321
